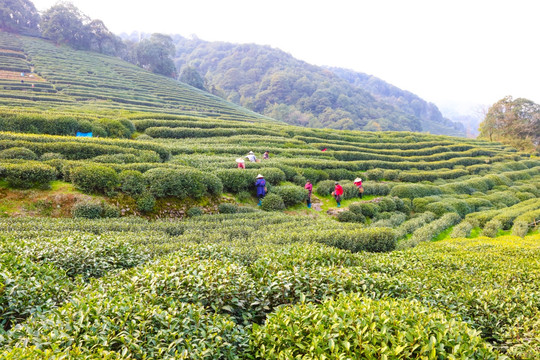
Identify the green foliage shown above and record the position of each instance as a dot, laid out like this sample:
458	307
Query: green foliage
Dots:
131	182
87	210
226	208
350	216
236	180
461	230
180	183
28	288
272	202
325	188
375	174
195	211
27	175
362	328
291	194
366	209
94	178
146	202
20	153
412	191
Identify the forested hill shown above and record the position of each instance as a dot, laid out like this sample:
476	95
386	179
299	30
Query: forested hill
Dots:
431	118
272	82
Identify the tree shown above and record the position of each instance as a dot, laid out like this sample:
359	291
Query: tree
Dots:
155	54
192	77
18	16
515	122
65	24
102	40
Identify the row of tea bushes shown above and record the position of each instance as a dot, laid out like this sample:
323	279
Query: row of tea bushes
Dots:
444	276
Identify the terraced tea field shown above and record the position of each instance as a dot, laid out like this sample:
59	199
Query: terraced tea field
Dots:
164	252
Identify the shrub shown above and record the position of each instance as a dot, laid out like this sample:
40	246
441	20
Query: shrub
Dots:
375	174
175	229
364	328
461	230
412	191
366	209
19	153
87	210
315	175
492	228
325	188
195	211
51	156
377	189
291	194
132	182
28	175
236	180
387	204
299	180
146	202
429	231
94	178
350	216
340	174
110	211
180	183
226	208
521	223
350	191
390	175
272	202
273	176
213	184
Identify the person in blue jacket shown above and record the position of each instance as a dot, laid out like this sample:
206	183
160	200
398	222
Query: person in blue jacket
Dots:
260	184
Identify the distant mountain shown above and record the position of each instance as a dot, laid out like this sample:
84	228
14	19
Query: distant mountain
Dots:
272	82
430	116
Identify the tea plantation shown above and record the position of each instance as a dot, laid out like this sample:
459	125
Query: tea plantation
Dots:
154	247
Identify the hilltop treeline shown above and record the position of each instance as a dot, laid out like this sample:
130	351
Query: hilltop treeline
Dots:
274	83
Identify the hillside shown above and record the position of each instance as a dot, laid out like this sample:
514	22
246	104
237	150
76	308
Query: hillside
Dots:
147	241
431	118
62	78
274	83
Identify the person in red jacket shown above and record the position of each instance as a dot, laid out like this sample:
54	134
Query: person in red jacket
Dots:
309	188
338	193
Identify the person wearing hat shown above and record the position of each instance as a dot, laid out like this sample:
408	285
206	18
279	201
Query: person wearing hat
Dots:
309	188
260	184
338	193
241	163
358	183
251	157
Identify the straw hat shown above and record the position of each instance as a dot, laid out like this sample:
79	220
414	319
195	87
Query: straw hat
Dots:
251	152
239	160
357	180
259	176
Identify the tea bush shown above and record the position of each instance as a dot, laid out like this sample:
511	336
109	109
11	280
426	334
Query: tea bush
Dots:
29	174
131	182
227	208
20	153
364	328
350	216
146	202
87	210
290	194
272	202
180	183
94	178
195	211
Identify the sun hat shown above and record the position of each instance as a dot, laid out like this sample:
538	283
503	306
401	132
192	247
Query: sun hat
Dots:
357	180
259	176
336	183
251	152
239	160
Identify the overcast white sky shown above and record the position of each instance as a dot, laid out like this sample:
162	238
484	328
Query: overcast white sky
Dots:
460	52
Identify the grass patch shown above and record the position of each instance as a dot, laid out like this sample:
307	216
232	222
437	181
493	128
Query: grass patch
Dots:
475	232
444	235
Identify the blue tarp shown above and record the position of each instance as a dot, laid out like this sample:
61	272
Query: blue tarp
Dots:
84	134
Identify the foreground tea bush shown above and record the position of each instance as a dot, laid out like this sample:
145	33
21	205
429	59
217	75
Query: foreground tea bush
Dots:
356	327
27	288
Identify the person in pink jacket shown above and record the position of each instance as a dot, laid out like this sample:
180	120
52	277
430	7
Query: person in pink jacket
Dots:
309	188
358	183
338	193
